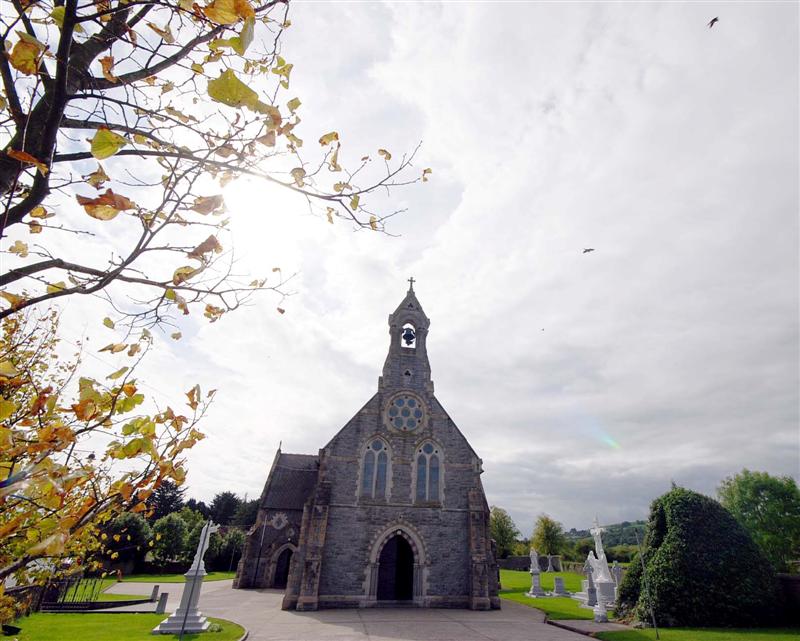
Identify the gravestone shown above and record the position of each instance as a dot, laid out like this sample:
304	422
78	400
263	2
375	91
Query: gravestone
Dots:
187	617
559	587
536	583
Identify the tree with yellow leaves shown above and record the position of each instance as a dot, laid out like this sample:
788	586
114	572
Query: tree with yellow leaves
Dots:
67	465
133	114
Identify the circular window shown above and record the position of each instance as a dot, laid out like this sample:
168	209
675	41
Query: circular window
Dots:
404	412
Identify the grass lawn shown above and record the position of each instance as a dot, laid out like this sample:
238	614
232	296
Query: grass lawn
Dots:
708	634
79	593
174	578
110	627
516	584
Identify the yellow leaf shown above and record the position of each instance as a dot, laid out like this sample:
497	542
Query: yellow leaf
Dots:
56	287
134	349
25	57
293	104
7	408
105	206
333	163
222	12
328	138
373	223
180	116
106	143
385	154
165	33
57	15
197	68
97	177
231	91
19	248
40	212
8	370
354	201
330	212
425	174
193	395
108	322
176	336
26	158
114	348
115	555
117	537
34	227
107	63
298	173
12	298
182	274
340	187
115	375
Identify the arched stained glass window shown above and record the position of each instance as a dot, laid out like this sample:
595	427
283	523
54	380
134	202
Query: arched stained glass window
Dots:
422	473
380	476
375	469
369	473
428	473
433	482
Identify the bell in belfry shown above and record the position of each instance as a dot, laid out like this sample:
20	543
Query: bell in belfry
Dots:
408	335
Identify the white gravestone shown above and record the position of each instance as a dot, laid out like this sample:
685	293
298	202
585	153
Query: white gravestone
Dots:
536	583
187	617
603	581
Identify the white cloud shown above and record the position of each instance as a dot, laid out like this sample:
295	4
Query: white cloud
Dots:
670	353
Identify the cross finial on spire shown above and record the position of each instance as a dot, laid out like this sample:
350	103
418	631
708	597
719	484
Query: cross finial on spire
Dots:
411	284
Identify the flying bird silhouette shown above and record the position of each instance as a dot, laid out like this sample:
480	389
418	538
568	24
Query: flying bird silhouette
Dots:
588	249
713	22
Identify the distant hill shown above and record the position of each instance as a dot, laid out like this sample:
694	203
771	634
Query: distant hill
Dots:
617	534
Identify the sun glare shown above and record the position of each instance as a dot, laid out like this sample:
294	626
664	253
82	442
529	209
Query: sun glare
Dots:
268	224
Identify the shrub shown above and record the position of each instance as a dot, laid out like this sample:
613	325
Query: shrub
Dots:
170	534
128	535
703	569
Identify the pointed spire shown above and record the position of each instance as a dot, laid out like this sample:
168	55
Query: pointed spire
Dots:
411	285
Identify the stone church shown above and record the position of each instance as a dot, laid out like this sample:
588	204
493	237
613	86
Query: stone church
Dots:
390	512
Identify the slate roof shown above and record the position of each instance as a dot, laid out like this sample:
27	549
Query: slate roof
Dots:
292	481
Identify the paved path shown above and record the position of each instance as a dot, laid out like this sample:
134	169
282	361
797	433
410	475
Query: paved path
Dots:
259	611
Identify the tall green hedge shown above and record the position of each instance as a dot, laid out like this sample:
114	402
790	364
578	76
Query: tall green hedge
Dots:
703	569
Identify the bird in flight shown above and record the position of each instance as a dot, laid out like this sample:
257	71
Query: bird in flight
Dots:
713	22
588	249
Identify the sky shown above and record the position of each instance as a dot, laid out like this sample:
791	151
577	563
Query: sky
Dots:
587	382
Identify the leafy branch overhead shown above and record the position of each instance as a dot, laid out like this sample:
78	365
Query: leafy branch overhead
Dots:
135	115
69	463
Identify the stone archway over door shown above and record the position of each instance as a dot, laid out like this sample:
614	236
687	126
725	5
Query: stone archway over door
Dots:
396	571
282	569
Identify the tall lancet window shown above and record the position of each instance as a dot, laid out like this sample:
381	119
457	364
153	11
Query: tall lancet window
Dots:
428	473
375	469
408	337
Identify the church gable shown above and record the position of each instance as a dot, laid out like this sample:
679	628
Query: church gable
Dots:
396	510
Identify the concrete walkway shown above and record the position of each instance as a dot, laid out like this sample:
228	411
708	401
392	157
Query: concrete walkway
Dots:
259	611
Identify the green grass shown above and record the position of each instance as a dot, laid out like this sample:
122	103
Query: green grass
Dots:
174	578
708	634
516	584
82	594
110	627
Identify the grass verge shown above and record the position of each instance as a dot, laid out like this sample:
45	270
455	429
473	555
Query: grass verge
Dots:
704	634
174	578
111	627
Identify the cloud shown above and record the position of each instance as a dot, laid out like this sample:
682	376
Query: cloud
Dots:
587	382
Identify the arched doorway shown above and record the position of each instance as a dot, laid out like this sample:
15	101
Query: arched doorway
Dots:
396	571
282	569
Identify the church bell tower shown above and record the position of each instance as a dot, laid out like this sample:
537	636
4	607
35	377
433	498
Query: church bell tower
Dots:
407	365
